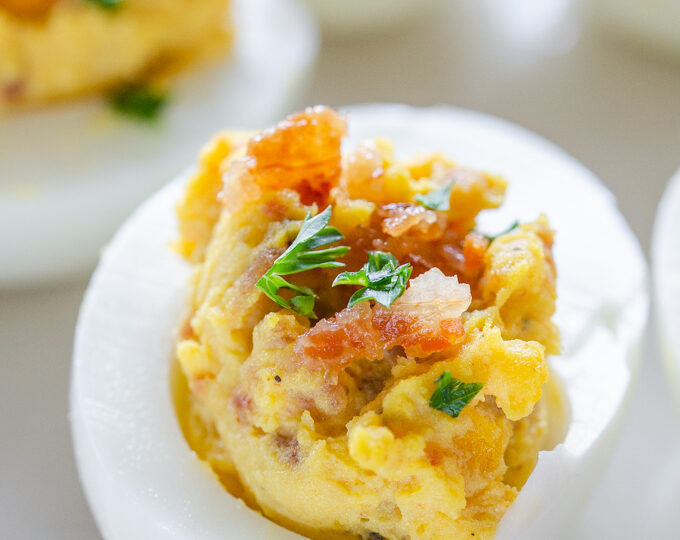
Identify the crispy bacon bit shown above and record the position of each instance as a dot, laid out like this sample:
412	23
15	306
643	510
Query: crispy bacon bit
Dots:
435	454
435	303
301	153
340	339
186	331
288	448
436	248
361	167
274	210
243	405
14	90
366	162
426	319
262	262
400	218
27	8
434	295
200	382
474	247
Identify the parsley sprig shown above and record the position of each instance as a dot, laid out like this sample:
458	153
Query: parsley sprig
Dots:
382	279
451	395
107	4
139	101
303	255
492	237
438	199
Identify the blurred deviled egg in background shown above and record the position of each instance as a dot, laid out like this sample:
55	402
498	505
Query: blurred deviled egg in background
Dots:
101	101
57	49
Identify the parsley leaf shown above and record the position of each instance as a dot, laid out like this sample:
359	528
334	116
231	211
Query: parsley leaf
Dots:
139	101
451	395
107	4
492	237
300	257
438	199
381	278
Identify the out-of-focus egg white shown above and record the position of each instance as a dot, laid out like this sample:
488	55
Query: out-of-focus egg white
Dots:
666	264
143	481
71	173
349	18
656	22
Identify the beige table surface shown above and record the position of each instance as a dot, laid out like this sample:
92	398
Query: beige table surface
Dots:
611	104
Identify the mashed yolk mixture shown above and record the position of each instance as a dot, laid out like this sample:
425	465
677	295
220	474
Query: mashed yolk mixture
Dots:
51	49
325	424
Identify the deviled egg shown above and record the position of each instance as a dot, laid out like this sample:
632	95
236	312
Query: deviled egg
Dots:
333	427
53	49
72	170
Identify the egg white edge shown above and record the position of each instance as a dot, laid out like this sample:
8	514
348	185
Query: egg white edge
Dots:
128	487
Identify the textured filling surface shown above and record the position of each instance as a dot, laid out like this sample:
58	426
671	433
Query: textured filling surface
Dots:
325	424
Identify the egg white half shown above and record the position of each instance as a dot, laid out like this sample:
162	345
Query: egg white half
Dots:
71	173
143	481
666	263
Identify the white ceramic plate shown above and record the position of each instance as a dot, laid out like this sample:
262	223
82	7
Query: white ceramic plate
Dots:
142	480
70	174
666	262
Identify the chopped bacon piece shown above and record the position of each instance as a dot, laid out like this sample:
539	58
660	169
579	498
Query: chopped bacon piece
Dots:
400	218
474	247
27	8
301	153
13	90
200	382
360	170
426	319
340	339
288	448
243	406
423	246
186	331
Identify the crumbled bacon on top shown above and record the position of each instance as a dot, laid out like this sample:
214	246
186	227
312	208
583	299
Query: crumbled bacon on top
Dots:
474	247
27	8
400	218
425	320
301	153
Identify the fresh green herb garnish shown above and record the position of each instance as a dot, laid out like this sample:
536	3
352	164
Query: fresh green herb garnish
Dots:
438	199
451	395
511	228
139	101
107	4
300	257
382	279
